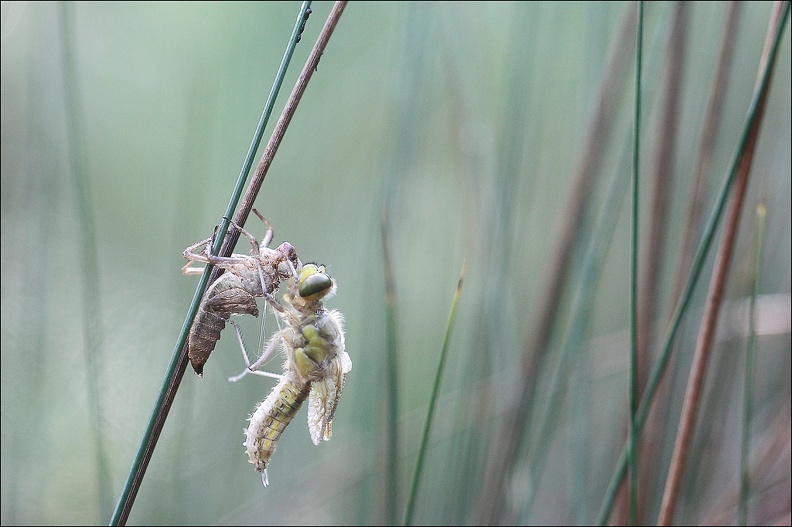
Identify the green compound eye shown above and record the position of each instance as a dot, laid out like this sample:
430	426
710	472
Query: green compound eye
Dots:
315	283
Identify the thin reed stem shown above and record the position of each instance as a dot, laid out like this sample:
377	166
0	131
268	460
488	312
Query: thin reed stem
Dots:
408	516
392	374
632	495
89	260
750	368
716	290
696	270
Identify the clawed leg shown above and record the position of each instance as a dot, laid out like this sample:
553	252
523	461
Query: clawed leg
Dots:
253	368
207	258
265	241
193	257
253	243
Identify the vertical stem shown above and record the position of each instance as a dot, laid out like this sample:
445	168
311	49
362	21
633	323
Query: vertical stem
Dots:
408	516
717	287
89	261
392	468
750	367
633	466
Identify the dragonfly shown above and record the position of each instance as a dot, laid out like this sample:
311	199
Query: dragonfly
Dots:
315	366
246	278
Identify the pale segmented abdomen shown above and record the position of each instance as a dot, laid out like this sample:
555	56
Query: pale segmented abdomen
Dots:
270	418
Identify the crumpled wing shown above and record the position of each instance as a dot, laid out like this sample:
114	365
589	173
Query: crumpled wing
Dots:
324	397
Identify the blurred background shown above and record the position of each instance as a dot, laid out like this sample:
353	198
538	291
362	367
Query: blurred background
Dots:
493	133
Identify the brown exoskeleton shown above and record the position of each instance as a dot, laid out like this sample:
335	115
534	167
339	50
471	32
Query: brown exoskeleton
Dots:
246	277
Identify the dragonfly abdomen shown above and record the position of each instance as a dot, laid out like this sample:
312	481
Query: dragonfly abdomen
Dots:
270	419
224	298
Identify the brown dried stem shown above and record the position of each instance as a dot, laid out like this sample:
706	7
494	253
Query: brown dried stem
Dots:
510	433
715	295
663	182
656	424
283	123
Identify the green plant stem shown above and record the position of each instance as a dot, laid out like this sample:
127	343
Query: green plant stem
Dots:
633	444
89	261
408	516
706	336
698	264
750	368
178	363
518	415
392	373
580	314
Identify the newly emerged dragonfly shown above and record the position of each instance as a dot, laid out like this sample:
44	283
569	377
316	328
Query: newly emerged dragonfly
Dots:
246	278
315	367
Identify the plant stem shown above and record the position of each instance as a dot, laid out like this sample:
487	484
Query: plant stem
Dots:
695	273
750	368
89	261
633	449
714	297
408	516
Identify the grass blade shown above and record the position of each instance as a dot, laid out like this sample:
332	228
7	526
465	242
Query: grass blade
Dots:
632	495
698	264
433	402
750	368
718	285
89	261
392	374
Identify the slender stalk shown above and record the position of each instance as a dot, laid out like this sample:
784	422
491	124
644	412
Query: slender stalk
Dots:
585	290
750	368
411	71
511	431
408	516
179	359
715	295
769	471
632	495
706	146
392	373
89	261
695	274
663	180
657	426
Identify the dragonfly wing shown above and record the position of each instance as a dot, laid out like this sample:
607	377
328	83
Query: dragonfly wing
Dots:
324	397
320	409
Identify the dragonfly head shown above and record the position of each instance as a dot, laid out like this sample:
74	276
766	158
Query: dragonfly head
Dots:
313	283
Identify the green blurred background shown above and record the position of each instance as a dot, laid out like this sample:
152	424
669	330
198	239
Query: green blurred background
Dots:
468	121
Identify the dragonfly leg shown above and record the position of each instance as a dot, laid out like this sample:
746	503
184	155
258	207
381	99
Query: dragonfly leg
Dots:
192	256
190	270
253	243
253	368
265	241
207	258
